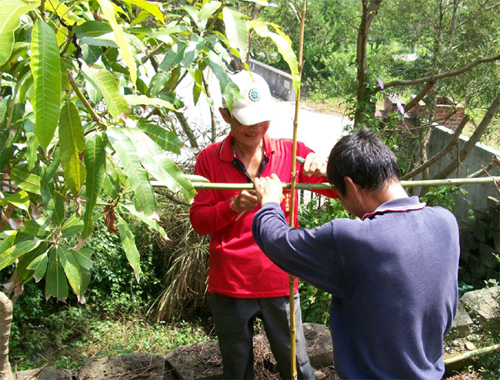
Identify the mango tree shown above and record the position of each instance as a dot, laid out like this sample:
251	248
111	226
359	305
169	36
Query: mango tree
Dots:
87	95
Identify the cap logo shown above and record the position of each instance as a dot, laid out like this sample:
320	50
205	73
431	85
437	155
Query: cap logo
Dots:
254	95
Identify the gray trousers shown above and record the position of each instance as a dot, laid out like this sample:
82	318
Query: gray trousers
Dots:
234	318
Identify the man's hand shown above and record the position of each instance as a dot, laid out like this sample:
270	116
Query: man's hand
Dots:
244	201
315	165
269	189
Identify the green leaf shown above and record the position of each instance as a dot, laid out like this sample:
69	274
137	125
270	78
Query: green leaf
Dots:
114	179
19	199
26	181
228	89
55	280
109	13
22	266
193	50
140	18
72	145
46	68
33	228
208	9
63	12
96	33
195	15
236	30
39	266
123	146
31	151
10	255
128	244
198	84
54	204
158	83
95	161
151	8
72	226
173	57
165	33
10	12
149	220
83	256
135	100
73	271
103	81
284	47
7	239
93	93
166	172
165	139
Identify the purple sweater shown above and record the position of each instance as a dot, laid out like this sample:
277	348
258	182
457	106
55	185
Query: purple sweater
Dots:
393	277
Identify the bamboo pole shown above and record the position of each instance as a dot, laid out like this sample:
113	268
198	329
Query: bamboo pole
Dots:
470	354
202	183
293	177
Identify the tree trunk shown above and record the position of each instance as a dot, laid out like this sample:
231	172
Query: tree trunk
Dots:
187	129
363	94
212	115
6	308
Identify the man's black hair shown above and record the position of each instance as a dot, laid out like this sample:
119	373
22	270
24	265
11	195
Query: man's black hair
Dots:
365	159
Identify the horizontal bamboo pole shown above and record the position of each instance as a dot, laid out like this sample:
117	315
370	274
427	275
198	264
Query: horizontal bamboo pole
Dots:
470	354
202	183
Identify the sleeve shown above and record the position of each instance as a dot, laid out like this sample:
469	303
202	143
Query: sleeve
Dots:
303	151
208	213
304	253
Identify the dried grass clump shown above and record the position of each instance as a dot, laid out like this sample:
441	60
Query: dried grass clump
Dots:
186	267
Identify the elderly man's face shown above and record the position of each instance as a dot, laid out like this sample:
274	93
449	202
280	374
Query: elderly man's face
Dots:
248	135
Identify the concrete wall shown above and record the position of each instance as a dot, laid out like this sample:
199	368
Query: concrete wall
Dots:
279	82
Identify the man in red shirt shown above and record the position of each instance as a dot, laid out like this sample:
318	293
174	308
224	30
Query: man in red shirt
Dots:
244	283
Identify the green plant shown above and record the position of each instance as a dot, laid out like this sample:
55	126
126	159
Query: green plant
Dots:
464	288
87	106
314	303
443	196
311	215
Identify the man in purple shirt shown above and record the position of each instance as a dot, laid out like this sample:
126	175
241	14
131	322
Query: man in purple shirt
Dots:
392	273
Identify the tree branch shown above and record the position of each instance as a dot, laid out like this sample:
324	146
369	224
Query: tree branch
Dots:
420	95
440	76
83	99
441	154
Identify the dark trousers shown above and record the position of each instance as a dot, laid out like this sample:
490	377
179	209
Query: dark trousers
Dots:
234	318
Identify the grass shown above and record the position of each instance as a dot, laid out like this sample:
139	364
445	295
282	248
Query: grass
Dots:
77	337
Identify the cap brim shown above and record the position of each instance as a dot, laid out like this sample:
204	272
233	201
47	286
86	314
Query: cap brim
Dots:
253	115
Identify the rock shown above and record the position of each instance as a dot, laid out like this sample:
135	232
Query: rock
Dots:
319	344
483	304
141	366
463	323
46	373
469	346
197	361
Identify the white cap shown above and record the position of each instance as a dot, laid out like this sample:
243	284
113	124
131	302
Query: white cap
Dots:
255	105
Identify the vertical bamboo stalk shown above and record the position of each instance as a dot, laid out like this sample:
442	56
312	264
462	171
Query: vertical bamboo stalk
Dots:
293	351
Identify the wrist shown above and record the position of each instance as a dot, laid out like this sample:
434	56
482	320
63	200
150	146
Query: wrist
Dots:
233	205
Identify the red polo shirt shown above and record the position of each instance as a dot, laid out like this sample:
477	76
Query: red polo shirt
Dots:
238	268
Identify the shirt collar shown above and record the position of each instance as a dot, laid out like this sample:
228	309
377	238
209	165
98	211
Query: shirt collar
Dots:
396	205
226	150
